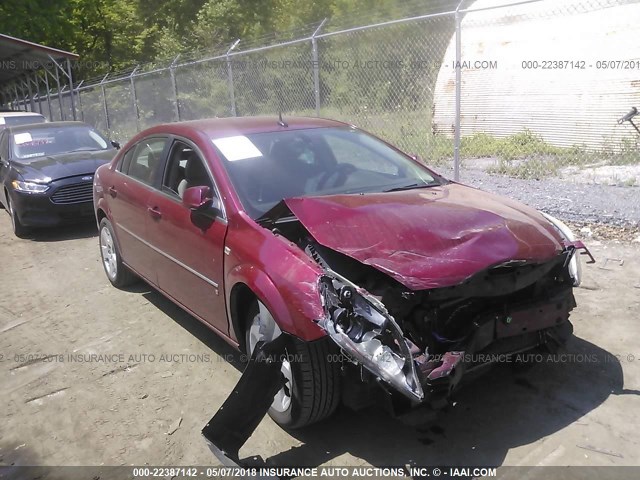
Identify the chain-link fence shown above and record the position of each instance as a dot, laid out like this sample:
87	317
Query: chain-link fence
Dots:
542	86
530	90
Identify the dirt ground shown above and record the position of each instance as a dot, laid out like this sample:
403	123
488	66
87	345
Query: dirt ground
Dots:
167	375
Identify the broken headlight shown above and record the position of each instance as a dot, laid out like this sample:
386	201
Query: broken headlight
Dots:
575	267
360	325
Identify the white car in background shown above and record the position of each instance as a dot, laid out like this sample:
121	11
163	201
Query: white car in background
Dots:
11	118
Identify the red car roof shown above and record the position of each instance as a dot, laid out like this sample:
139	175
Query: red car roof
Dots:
225	127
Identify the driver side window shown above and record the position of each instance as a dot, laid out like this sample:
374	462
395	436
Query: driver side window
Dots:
142	161
185	169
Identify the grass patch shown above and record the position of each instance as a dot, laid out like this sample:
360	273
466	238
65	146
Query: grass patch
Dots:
521	155
536	168
526	155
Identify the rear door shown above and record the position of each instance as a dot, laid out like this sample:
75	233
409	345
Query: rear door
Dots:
132	186
189	248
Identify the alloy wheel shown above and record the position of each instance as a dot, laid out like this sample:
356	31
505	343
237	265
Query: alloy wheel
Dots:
263	327
108	252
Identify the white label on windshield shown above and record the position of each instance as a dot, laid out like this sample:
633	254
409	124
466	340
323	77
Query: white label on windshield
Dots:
237	148
21	138
2	122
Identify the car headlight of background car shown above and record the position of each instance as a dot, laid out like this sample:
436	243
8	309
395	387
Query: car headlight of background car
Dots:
29	187
575	268
360	325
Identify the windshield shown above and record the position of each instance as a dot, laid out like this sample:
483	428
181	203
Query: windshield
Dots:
266	168
40	142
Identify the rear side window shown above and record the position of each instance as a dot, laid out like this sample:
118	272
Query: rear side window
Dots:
143	160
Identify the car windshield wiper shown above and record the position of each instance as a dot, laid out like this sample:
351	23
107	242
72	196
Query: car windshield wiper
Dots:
411	187
85	149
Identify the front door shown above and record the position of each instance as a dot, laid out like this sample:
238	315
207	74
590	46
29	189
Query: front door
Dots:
189	249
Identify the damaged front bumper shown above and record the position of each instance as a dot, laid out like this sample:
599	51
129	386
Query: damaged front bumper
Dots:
367	333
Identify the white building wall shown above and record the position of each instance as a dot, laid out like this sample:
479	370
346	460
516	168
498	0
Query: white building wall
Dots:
569	106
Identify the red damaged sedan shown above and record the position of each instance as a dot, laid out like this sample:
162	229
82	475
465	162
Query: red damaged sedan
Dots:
387	280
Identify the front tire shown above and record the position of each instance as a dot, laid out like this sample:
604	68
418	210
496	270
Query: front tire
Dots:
117	273
312	388
18	228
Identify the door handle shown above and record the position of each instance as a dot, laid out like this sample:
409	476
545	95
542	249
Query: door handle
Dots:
113	192
155	213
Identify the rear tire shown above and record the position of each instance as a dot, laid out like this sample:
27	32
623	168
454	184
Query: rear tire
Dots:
117	273
18	228
314	379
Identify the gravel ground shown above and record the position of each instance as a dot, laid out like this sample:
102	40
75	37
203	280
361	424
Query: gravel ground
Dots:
615	205
157	375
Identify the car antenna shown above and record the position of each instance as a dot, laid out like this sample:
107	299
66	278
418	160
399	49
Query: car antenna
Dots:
281	122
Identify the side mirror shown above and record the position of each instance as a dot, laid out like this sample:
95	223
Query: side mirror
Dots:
115	144
200	200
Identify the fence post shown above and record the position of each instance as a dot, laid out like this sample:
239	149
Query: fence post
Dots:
24	96
37	90
62	115
174	85
458	66
27	94
31	103
104	105
316	67
15	94
80	100
19	103
46	85
232	93
61	94
73	102
134	99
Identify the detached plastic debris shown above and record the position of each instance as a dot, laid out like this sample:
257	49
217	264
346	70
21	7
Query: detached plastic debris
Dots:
248	403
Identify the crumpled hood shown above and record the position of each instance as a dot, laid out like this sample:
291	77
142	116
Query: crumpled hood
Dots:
64	165
430	237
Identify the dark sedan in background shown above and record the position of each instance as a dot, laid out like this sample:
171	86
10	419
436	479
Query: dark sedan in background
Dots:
46	172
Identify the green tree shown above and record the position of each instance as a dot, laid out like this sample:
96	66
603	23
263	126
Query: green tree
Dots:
38	21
